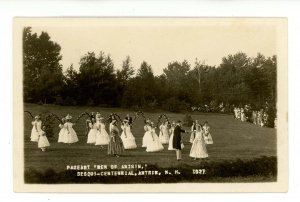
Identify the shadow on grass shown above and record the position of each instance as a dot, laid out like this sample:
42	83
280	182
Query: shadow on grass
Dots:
263	169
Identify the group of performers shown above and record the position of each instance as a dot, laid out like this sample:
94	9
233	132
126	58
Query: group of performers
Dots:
170	134
257	117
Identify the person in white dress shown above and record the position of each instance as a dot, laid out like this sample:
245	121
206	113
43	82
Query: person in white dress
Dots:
70	134
243	115
62	132
164	133
198	149
147	134
127	136
193	129
154	144
206	131
102	137
36	129
171	131
43	141
91	139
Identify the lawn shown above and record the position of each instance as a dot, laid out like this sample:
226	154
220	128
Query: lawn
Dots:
233	140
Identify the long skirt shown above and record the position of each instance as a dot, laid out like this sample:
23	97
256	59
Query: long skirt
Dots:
102	138
146	138
128	140
198	149
115	145
61	134
92	136
192	137
34	135
43	142
171	142
154	144
70	137
164	138
208	139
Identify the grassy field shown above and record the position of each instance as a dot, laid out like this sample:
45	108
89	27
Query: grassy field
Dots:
233	140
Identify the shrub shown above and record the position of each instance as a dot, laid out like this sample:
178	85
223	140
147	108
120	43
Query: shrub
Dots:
187	120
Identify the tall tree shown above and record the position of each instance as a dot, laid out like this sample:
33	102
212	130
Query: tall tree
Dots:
43	77
97	80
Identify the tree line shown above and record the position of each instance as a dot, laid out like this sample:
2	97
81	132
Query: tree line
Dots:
238	80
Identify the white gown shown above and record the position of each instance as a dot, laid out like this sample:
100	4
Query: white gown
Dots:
153	144
102	137
43	141
147	136
207	136
36	130
70	135
128	138
164	134
61	134
198	149
92	133
170	147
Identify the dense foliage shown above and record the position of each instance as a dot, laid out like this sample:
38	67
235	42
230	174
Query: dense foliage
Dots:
238	80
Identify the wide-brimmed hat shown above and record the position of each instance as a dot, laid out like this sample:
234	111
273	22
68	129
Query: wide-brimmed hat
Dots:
37	117
125	120
68	117
113	121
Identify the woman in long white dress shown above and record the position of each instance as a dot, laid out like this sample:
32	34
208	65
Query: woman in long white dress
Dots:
198	149
127	136
102	137
207	136
43	141
91	139
62	132
70	134
147	136
154	144
164	133
193	129
171	131
36	129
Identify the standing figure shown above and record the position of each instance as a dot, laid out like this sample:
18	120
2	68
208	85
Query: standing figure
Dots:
243	115
127	136
147	135
206	131
43	141
102	137
91	139
154	144
164	133
115	146
235	111
177	141
193	133
238	116
254	117
198	149
70	134
259	118
36	129
62	132
171	131
129	119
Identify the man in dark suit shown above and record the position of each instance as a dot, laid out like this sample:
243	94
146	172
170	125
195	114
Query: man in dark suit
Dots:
177	141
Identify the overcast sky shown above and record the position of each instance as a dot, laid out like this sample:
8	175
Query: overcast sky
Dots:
159	43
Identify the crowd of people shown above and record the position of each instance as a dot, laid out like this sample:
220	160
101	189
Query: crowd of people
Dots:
170	133
257	117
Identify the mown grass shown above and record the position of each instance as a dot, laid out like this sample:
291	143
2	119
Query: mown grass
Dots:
232	140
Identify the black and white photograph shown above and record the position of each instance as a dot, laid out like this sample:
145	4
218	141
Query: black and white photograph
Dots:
150	101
